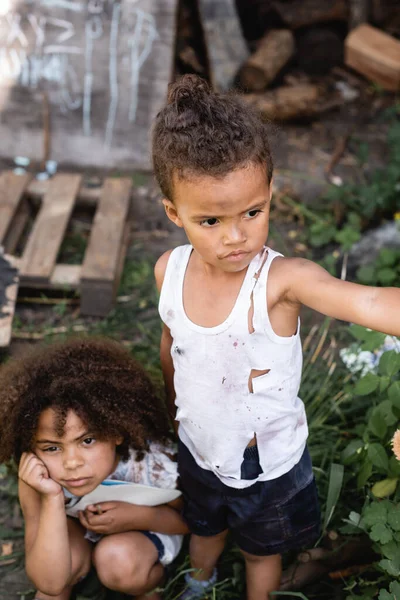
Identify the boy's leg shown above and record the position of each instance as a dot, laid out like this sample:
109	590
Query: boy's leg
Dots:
81	551
263	575
204	554
128	563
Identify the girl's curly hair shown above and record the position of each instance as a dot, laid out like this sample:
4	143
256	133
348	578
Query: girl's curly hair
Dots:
96	378
201	132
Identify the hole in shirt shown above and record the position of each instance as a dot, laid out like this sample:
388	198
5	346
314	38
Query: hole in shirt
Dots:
256	373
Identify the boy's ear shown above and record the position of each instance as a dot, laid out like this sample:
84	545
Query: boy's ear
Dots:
119	441
171	212
271	185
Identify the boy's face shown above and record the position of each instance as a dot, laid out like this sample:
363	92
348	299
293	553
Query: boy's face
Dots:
77	460
225	219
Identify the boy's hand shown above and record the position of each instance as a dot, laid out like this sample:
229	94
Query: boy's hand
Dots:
35	474
111	517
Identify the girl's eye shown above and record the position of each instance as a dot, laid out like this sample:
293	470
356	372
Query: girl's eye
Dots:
88	441
253	213
50	449
209	222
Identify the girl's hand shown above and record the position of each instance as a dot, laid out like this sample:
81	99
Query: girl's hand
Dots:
35	474
112	517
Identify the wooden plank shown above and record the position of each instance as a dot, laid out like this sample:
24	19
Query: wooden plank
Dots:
64	277
226	46
44	242
12	187
97	299
103	67
374	54
8	296
17	227
106	248
87	196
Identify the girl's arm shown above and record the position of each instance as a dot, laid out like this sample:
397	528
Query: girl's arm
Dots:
309	284
48	555
117	517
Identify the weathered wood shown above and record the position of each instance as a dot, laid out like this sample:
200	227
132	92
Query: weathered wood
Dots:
17	227
272	54
85	197
103	66
224	41
286	102
8	295
41	250
310	12
106	248
374	54
12	187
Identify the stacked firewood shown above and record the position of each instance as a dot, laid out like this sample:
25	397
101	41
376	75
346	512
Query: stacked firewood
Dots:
294	45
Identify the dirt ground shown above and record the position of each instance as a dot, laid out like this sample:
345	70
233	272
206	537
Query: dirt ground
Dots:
302	154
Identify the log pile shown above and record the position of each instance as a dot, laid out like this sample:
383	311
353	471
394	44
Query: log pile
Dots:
294	48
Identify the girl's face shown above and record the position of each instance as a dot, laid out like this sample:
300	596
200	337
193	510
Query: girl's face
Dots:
77	460
225	219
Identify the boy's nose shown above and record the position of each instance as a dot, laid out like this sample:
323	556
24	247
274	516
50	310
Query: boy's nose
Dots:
234	234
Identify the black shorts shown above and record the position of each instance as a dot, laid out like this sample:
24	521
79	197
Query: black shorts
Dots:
269	517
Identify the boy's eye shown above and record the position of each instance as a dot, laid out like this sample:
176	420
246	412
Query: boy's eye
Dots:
88	441
253	213
209	222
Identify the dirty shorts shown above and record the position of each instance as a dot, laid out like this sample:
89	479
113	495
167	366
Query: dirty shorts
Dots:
269	517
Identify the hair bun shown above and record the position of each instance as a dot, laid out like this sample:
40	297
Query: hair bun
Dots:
188	89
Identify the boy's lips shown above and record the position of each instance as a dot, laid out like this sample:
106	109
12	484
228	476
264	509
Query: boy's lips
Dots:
235	255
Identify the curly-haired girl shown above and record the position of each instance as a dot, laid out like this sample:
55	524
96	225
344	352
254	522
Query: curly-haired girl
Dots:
72	415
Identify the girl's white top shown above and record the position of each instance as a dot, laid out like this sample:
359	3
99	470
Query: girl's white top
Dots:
218	414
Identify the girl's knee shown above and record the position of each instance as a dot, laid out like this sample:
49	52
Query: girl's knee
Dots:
120	570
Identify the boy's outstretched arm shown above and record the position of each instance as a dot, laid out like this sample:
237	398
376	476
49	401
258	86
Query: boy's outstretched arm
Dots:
167	365
374	307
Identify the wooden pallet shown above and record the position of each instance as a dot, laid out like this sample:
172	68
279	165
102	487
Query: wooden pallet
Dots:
97	278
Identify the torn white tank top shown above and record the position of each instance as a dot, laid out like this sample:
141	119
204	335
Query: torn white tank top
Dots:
218	414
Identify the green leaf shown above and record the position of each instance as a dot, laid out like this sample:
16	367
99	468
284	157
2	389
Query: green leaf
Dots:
366	274
376	512
394	394
384	383
395	589
380	533
352	451
394	467
385	488
366	385
389	363
394	517
377	424
390	566
385	409
334	488
391	550
388	257
386	276
377	455
364	473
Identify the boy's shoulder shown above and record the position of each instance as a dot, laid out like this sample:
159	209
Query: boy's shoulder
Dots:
160	268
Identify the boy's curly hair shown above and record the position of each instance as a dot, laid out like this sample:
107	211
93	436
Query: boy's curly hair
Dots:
96	378
200	132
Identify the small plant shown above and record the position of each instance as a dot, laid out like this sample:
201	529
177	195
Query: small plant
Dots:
385	270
